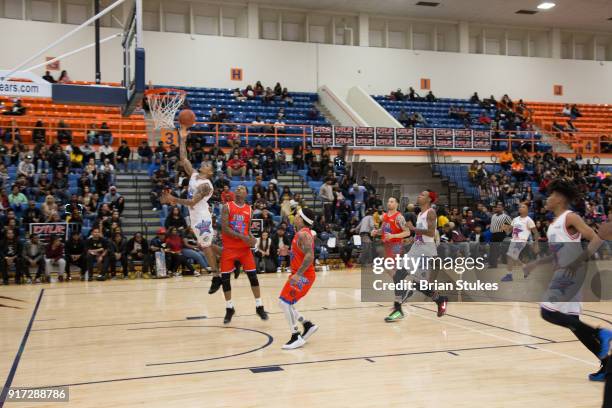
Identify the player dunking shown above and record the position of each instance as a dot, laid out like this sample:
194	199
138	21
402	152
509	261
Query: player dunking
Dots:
200	218
393	231
301	279
522	228
237	244
562	306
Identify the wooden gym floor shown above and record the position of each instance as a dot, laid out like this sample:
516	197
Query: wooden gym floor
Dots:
162	343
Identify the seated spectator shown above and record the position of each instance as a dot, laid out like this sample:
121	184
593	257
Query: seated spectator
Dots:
278	89
404	118
26	168
475	98
175	220
191	251
396	95
268	96
575	112
505	160
145	153
280	250
49	206
75	255
313	113
64	134
105	134
12	133
507	102
33	257
17	200
48	77
174	255
10	256
107	152
566	111
258	88
235	166
123	155
417	118
93	136
16	110
412	95
484	118
76	157
137	250
430	97
248	93
63	78
285	96
54	258
238	95
118	255
98	253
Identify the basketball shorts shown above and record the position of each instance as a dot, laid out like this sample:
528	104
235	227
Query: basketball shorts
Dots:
515	249
203	230
292	292
229	256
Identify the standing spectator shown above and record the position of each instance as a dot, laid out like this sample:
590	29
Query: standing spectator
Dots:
63	78
97	254
499	222
48	77
75	255
358	193
326	194
54	257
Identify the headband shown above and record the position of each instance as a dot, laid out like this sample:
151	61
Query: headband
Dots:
304	217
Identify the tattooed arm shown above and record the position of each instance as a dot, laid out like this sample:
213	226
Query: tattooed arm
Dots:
202	191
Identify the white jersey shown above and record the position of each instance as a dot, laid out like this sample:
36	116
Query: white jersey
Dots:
423	245
565	248
200	210
521	228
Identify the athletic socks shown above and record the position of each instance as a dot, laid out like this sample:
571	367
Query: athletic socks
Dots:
258	302
229	304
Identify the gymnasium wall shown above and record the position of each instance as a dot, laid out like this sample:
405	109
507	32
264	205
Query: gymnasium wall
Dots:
200	60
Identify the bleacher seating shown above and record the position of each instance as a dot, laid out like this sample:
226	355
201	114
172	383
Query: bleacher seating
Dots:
436	113
596	120
201	100
78	118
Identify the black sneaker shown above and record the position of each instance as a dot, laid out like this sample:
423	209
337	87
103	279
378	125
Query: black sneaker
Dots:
214	285
294	342
229	312
442	303
261	312
309	330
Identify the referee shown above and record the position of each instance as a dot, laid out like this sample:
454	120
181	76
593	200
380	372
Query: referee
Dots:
498	221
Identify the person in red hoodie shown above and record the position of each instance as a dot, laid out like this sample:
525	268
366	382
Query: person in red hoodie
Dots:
54	257
174	255
227	195
236	167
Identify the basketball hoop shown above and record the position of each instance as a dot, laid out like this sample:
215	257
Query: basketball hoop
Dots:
164	102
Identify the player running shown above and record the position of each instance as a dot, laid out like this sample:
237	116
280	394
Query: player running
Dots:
393	231
523	228
301	279
237	244
562	306
199	192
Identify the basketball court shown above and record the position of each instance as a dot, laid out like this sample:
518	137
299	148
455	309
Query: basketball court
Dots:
162	343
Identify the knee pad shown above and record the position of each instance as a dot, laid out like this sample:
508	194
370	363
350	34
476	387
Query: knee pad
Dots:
226	283
253	278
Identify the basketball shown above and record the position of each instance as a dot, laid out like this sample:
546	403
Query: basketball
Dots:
187	118
605	231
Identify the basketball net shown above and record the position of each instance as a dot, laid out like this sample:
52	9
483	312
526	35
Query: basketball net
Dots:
163	103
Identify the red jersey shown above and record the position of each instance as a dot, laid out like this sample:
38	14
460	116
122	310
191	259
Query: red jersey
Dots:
390	226
240	222
297	256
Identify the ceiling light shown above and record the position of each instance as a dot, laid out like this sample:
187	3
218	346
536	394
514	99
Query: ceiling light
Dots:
546	5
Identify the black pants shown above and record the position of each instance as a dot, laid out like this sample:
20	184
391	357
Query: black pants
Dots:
135	258
91	260
19	270
607	400
586	334
80	263
122	261
346	253
175	260
40	268
328	209
496	248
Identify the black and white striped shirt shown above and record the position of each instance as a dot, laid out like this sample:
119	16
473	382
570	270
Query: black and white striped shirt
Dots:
498	221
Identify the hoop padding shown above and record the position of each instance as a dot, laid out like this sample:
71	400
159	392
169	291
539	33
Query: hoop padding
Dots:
163	103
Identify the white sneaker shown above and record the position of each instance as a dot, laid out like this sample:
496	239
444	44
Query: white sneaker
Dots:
278	270
296	341
196	274
288	270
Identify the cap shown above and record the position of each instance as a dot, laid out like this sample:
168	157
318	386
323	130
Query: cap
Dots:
273	181
113	188
161	230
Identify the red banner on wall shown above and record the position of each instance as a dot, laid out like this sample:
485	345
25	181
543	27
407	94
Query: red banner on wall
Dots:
364	136
322	135
482	139
404	137
463	139
444	138
424	138
385	136
343	135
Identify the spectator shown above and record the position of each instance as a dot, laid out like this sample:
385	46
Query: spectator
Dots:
326	194
475	98
118	248
93	137
174	255
64	134
263	254
39	132
16	110
404	118
123	155
499	221
235	166
175	220
137	250
33	257
430	97
17	200
145	153
358	193
105	135
280	247
63	78
54	258
49	207
98	249
10	256
32	214
76	255
107	153
48	77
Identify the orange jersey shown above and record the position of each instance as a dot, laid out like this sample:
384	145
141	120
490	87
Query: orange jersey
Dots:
390	226
297	255
240	222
